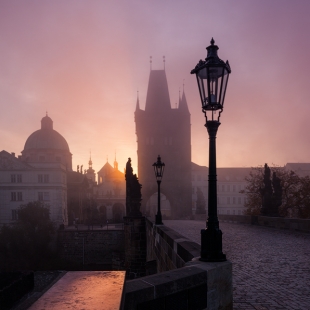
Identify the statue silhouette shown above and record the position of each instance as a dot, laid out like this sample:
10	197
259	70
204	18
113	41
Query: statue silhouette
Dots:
133	192
271	193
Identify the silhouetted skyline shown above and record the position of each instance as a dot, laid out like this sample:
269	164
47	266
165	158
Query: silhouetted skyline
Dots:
84	61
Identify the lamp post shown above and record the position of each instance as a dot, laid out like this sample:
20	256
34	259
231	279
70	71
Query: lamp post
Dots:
159	168
212	78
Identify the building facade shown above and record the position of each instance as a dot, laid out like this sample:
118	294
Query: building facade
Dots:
230	186
110	192
231	182
39	174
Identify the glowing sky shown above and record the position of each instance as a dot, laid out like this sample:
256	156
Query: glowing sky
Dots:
83	62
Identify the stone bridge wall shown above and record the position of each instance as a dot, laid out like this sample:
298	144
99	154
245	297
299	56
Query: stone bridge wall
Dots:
85	247
275	222
182	281
170	249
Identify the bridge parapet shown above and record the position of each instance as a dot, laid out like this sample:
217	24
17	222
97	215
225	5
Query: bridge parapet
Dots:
268	221
182	281
170	249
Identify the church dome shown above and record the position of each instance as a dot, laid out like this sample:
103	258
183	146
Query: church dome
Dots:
46	138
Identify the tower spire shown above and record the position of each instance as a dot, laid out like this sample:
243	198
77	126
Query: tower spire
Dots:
164	59
115	163
183	102
137	104
90	163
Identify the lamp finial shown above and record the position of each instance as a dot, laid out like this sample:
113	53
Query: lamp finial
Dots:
212	41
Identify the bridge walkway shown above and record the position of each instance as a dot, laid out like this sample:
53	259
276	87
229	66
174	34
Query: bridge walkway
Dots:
271	267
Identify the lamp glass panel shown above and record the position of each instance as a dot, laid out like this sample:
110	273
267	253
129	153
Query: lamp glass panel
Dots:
202	73
201	86
223	86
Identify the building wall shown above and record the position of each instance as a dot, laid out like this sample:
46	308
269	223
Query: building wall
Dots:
199	179
230	183
22	183
230	200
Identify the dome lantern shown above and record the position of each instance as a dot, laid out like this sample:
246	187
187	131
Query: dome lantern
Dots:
46	122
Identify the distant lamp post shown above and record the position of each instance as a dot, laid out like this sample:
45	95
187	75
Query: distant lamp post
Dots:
159	168
212	78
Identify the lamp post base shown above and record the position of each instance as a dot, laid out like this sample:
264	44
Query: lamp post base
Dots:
158	219
211	245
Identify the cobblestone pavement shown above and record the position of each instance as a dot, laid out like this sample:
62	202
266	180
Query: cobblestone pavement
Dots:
271	267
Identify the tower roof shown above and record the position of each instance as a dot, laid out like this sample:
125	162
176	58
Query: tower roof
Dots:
157	92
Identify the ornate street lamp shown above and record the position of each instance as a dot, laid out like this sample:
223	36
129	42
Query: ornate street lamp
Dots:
212	78
159	168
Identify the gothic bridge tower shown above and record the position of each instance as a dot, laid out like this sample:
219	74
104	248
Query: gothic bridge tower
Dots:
164	131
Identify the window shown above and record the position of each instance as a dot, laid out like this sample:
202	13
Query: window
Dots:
13	196
228	188
234	188
19	178
19	196
13	178
40	196
239	200
43	178
234	200
223	188
14	215
228	211
228	200
233	212
46	196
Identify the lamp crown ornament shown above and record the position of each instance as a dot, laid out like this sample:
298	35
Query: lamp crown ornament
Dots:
159	167
212	78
